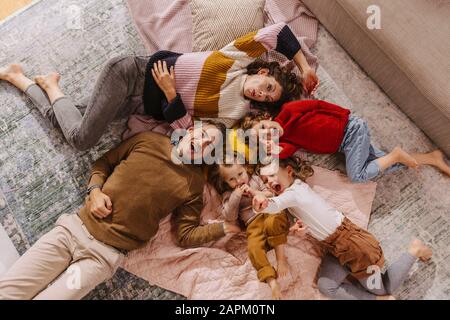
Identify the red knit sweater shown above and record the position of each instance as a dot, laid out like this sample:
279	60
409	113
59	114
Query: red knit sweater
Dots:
313	125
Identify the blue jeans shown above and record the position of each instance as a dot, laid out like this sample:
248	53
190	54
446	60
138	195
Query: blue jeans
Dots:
360	154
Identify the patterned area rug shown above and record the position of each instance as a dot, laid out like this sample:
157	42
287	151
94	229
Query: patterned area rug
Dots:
10	8
43	177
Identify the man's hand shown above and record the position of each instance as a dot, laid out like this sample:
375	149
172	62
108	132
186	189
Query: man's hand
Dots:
299	228
101	205
231	227
260	202
165	79
310	81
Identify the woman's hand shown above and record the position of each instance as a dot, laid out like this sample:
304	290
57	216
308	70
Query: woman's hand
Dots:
310	81
165	79
101	205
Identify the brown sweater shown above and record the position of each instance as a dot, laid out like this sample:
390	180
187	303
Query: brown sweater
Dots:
145	186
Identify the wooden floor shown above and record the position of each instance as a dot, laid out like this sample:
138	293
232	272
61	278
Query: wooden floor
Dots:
8	7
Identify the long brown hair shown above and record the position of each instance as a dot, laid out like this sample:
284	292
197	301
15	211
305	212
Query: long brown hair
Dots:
288	80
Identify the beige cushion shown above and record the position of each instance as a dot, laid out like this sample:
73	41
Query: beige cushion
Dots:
216	23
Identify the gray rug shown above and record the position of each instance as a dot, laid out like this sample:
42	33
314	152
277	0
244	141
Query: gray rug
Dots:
42	177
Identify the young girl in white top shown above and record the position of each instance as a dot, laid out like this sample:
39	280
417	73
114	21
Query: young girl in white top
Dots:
351	249
238	188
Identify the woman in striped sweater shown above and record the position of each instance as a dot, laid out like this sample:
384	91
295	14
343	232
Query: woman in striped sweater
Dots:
173	87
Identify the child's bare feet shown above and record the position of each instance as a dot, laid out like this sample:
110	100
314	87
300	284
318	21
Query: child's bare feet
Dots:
439	162
276	290
11	71
403	157
282	267
385	298
419	250
50	83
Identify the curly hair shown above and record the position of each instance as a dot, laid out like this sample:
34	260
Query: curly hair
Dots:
288	80
249	120
302	169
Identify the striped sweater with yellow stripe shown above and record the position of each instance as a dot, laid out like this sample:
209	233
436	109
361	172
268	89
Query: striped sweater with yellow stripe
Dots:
210	84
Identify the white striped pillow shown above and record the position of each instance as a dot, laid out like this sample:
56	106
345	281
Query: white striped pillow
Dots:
216	23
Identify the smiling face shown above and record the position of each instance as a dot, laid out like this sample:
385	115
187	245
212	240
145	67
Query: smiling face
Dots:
262	87
277	179
197	141
234	176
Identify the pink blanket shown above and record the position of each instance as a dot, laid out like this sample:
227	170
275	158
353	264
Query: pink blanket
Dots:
163	24
222	270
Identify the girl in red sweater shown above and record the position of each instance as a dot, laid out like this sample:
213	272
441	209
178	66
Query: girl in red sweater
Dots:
321	127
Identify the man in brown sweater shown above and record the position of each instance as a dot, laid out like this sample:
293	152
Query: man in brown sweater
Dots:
131	188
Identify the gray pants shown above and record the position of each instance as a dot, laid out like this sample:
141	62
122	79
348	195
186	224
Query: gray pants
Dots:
117	94
332	278
360	154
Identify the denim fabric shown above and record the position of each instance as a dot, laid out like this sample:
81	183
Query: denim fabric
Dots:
360	154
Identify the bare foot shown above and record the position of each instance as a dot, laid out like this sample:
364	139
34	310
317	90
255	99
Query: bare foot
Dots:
282	267
438	158
405	158
14	75
385	298
276	290
418	249
8	72
49	81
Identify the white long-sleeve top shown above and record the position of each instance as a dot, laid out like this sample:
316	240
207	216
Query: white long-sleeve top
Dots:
305	204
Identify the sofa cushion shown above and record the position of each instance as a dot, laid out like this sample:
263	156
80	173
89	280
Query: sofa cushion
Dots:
407	57
416	35
216	23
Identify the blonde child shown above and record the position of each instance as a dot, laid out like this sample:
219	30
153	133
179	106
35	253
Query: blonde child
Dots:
351	250
264	231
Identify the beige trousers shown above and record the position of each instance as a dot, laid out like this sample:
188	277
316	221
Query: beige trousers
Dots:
66	263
